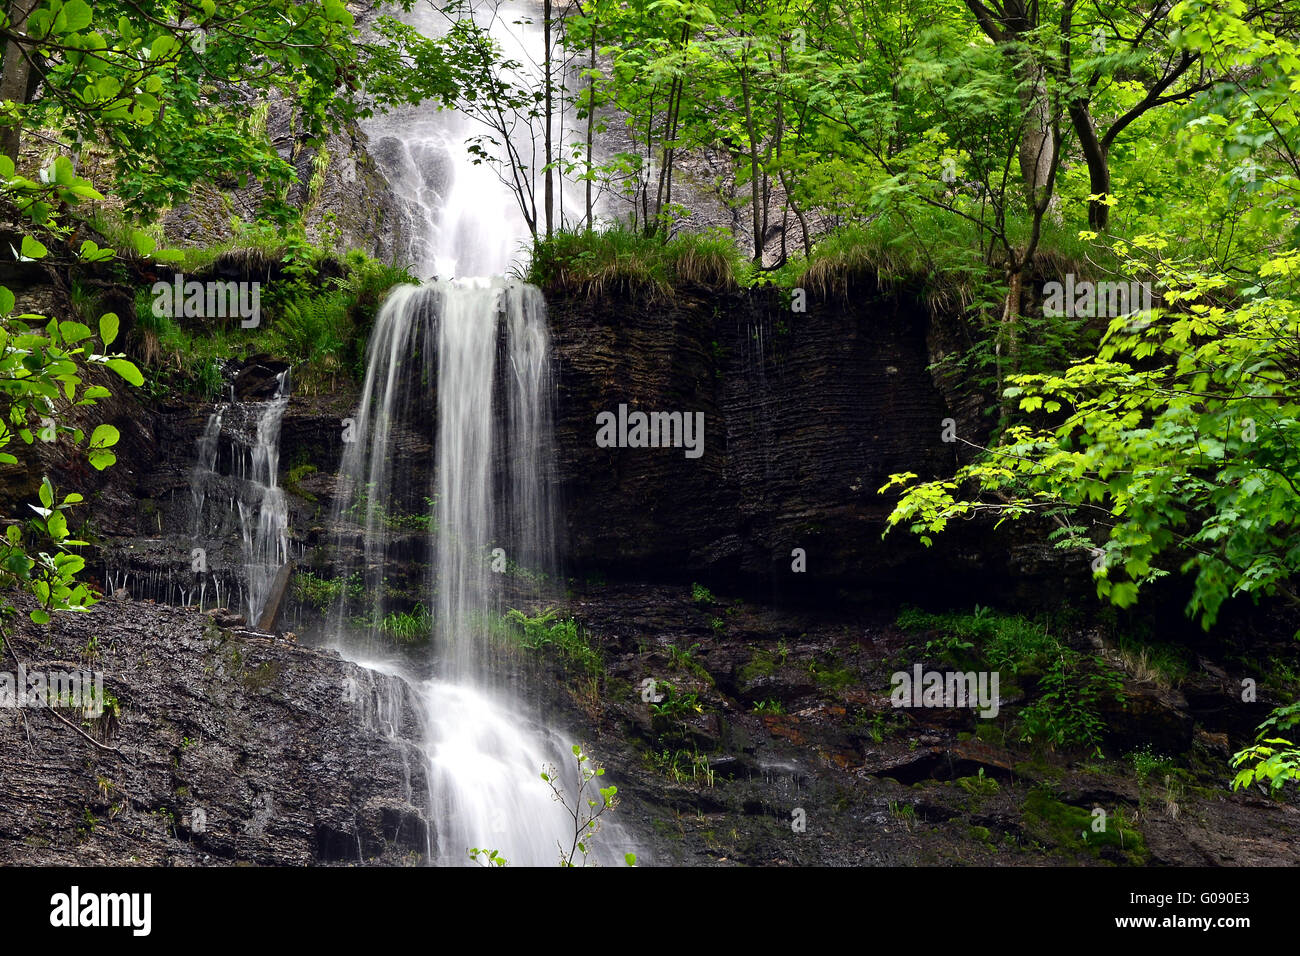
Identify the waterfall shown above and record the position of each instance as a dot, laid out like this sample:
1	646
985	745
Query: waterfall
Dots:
263	511
247	488
461	370
459	375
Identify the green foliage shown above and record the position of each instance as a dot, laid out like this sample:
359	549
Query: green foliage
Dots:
364	509
167	93
322	333
1272	759
682	766
548	629
1066	711
1146	762
585	811
769	707
1179	439
702	595
320	592
486	857
1008	643
43	378
408	627
684	660
621	261
677	705
315	330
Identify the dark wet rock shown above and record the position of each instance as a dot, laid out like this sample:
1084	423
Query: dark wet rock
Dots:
214	749
224	617
874	784
1149	716
257	379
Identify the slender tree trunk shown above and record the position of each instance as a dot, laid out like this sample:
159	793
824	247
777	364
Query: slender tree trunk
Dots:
755	183
1037	142
15	75
1097	157
548	192
591	115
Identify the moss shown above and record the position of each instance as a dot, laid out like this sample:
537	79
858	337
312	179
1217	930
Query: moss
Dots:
982	834
1071	829
990	733
762	664
832	677
262	676
292	481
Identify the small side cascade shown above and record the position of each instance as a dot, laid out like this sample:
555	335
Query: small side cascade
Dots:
264	511
235	490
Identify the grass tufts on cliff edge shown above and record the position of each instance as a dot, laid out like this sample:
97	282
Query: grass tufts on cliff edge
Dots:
620	261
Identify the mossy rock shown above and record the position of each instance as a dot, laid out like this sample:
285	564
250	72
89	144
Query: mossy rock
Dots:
990	733
762	664
1070	828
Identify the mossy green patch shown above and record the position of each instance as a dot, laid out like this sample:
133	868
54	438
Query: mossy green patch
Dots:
762	664
1072	829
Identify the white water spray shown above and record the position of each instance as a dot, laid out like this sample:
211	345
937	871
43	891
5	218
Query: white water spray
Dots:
481	349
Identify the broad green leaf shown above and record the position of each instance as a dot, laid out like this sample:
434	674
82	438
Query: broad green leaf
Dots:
33	249
104	436
108	325
126	369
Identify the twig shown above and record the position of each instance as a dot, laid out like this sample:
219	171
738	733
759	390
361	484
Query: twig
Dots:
92	740
5	638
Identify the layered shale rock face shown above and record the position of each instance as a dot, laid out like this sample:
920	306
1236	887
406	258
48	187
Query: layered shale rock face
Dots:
213	747
806	415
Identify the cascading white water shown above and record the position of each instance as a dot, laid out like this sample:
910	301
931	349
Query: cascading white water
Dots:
461	218
252	490
492	453
264	512
460	372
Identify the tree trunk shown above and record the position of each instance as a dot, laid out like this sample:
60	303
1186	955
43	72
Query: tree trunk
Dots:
549	186
1037	145
1097	157
591	116
754	178
15	75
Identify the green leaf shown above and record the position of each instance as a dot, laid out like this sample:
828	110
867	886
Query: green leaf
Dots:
46	493
74	332
6	301
77	14
143	242
40	616
127	370
63	173
108	326
104	436
100	459
32	249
